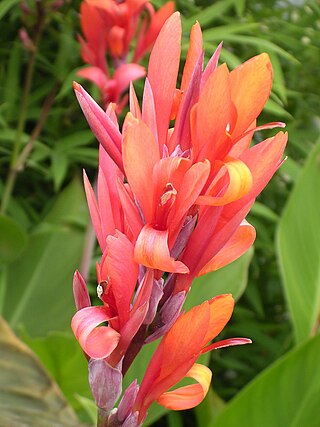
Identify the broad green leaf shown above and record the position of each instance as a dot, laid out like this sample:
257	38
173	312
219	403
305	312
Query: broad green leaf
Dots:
298	245
39	291
13	239
28	396
230	279
209	408
62	356
89	406
282	396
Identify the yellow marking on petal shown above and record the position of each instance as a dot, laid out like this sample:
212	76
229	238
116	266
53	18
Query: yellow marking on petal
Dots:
240	183
191	395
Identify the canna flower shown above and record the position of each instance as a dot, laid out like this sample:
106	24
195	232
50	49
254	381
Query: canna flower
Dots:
174	187
190	187
176	356
108	29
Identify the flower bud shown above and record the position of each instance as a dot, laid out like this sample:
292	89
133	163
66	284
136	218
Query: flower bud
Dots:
105	382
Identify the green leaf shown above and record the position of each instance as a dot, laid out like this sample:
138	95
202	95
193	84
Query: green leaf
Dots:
39	294
6	5
230	279
298	246
283	395
209	408
61	354
207	15
137	371
89	406
28	396
11	90
264	212
12	239
59	168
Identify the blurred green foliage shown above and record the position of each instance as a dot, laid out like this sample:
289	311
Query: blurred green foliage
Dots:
44	144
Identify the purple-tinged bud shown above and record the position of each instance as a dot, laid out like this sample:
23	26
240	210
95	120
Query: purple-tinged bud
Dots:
183	236
132	421
127	401
105	382
57	4
168	315
155	297
26	40
80	292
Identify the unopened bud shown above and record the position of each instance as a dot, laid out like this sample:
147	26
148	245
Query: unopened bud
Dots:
105	382
155	297
127	401
183	236
80	292
168	315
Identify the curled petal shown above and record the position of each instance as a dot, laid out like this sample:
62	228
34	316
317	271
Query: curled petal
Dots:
238	244
240	183
98	343
191	395
152	251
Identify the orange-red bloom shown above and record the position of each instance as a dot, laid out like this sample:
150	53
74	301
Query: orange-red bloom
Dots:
190	187
172	200
108	27
175	357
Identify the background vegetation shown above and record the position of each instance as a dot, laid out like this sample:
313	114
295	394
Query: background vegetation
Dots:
44	144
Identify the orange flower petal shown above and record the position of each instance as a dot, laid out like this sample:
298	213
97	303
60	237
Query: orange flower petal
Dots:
221	308
214	101
152	251
194	51
191	395
163	71
140	154
250	88
236	246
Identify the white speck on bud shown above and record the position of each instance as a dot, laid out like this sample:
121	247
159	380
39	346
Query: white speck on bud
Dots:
99	290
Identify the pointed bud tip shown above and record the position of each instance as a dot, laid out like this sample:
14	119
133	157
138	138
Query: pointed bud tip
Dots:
76	86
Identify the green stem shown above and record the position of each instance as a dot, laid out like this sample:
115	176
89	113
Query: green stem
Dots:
102	418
